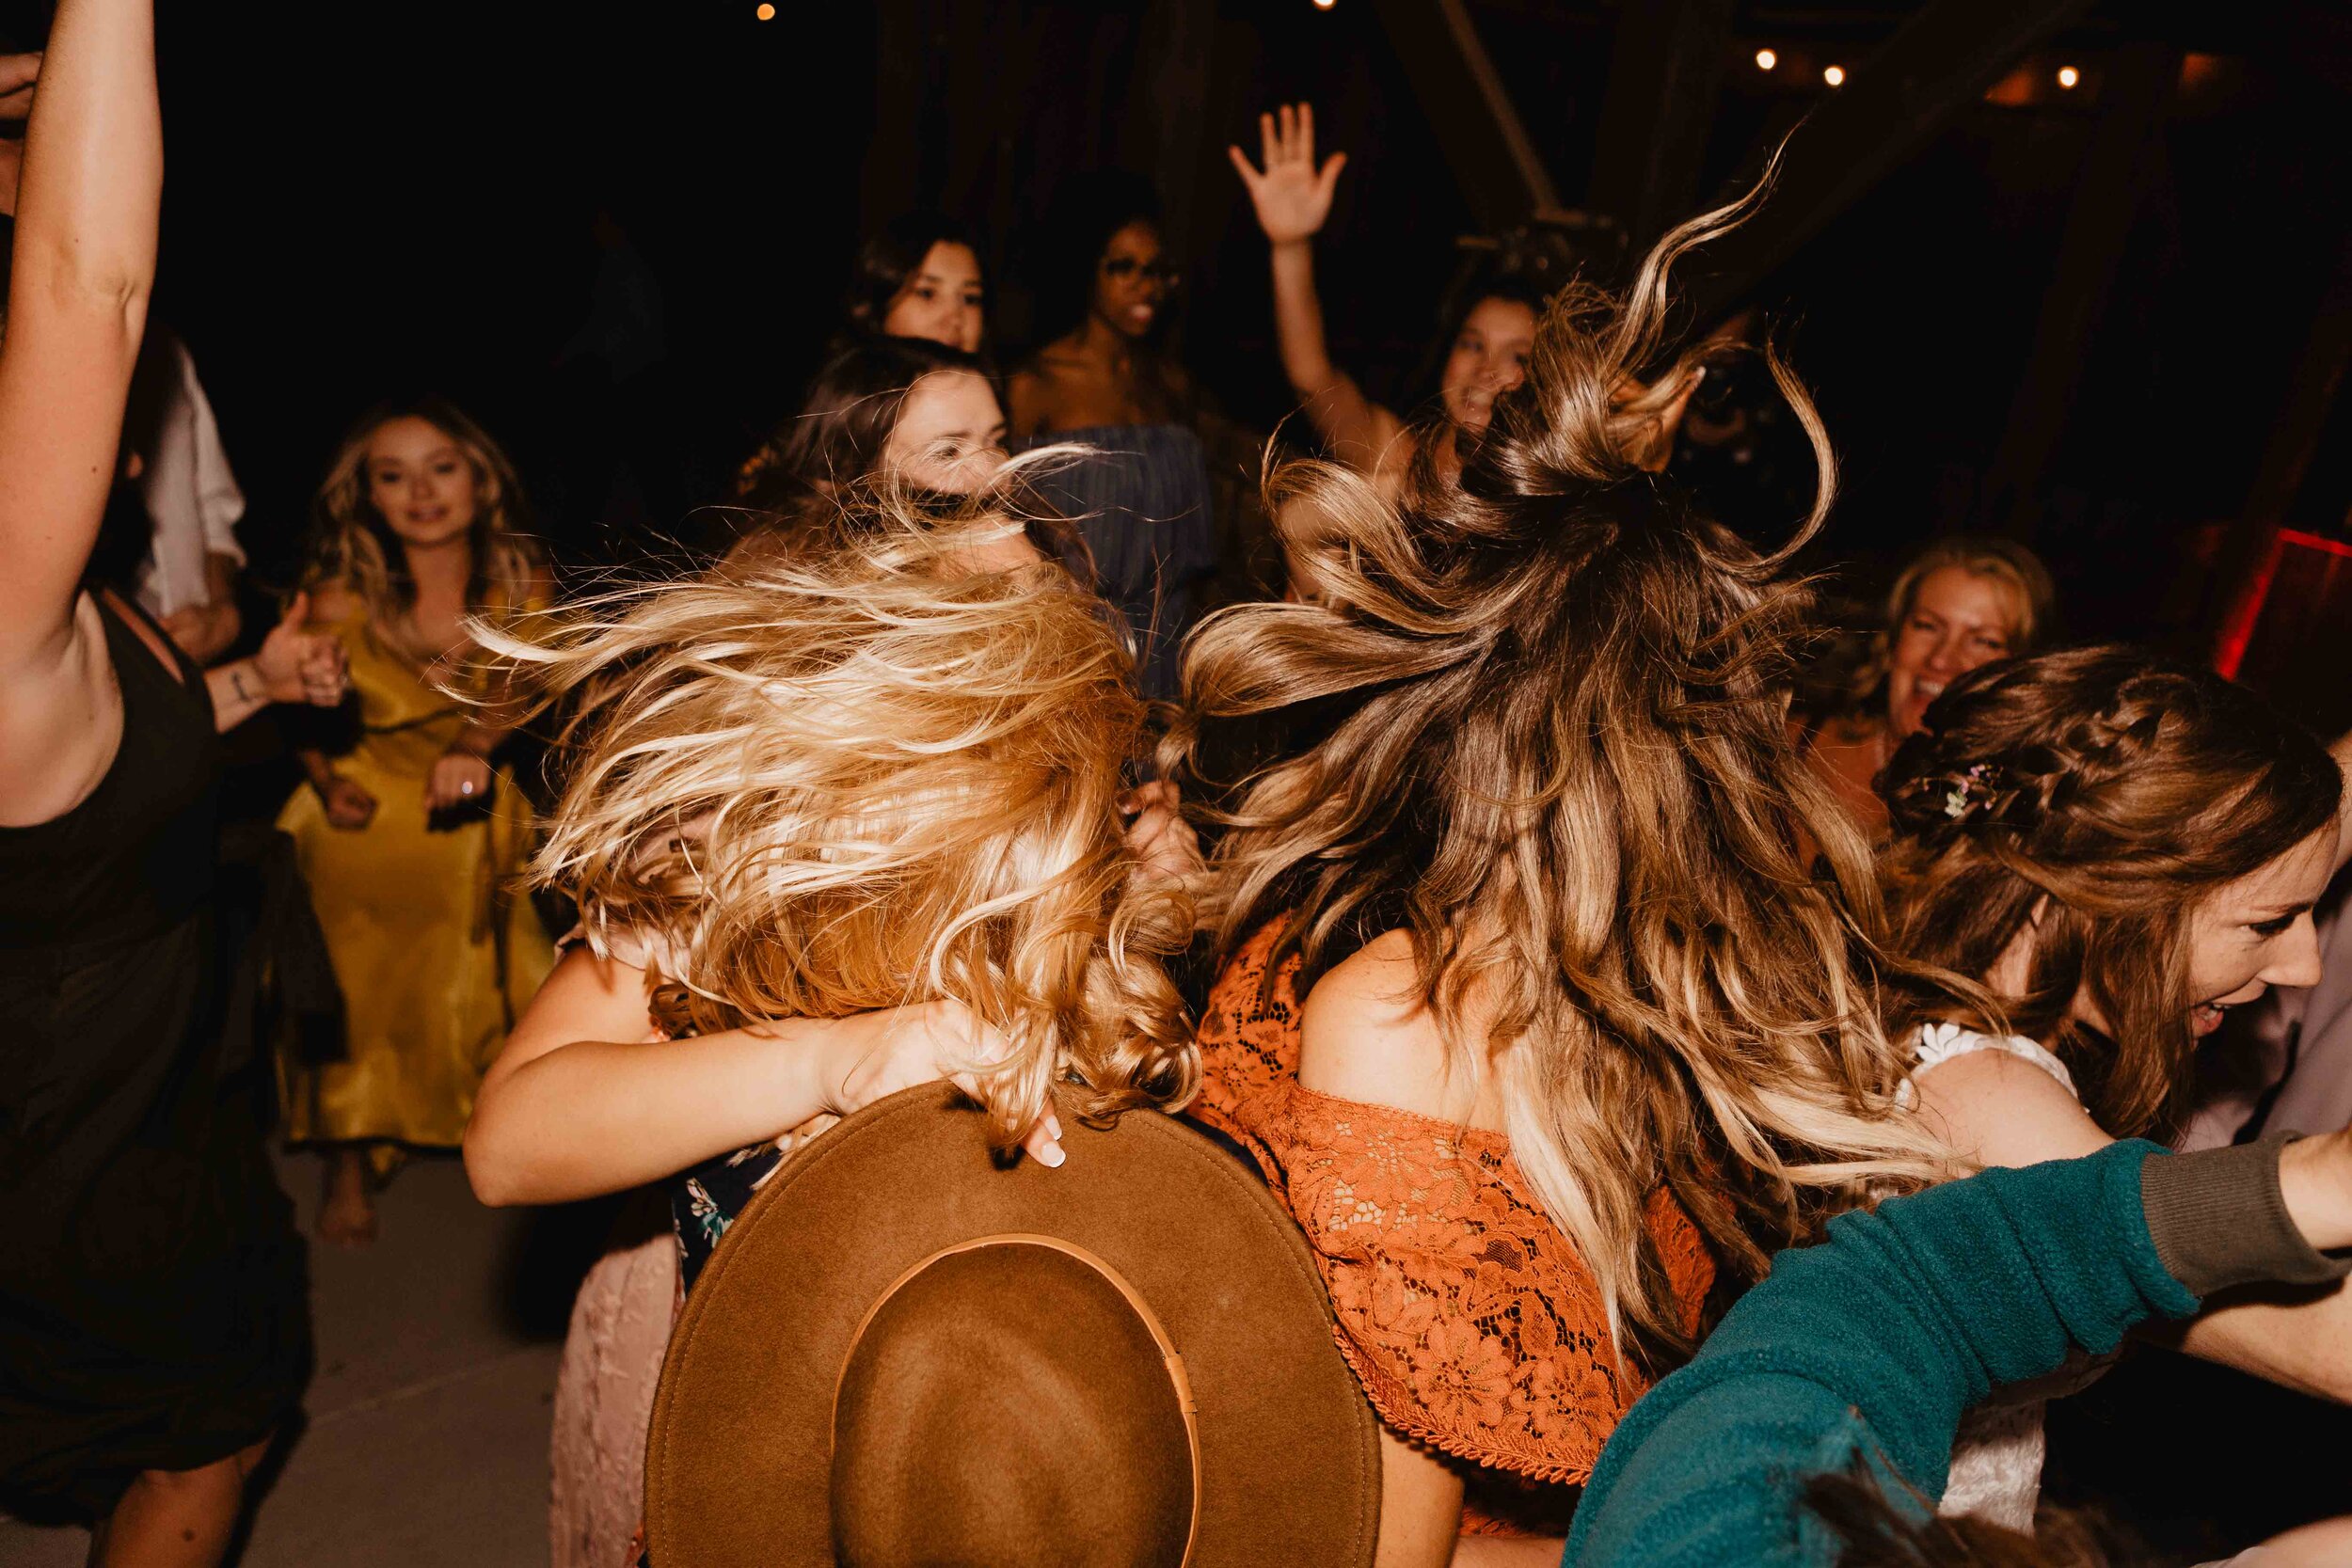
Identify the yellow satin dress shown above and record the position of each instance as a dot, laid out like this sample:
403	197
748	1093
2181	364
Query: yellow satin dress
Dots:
435	946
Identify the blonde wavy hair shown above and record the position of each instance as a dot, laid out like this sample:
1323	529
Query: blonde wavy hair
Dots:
822	783
351	546
1568	776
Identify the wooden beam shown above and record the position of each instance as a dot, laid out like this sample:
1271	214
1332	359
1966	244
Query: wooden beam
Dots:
2250	551
1494	159
1940	61
2124	143
1666	71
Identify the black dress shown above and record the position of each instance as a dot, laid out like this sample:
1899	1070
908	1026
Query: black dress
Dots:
153	1301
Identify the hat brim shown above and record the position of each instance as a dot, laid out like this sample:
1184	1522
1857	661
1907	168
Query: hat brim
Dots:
739	1461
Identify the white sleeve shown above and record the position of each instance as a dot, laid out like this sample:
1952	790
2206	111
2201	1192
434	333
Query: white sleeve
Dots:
1941	1042
219	503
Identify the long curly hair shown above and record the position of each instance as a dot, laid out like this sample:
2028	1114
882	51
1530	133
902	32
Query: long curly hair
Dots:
2094	796
351	545
1568	776
818	784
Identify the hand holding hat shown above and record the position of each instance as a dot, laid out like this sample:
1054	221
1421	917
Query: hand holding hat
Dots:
874	1055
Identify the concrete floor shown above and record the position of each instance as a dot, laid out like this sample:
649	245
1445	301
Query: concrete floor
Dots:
426	1442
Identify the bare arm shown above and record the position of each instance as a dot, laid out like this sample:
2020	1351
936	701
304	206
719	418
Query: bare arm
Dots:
2003	1111
294	664
1292	198
83	262
584	1100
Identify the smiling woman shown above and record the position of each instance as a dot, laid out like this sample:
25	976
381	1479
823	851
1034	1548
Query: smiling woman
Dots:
410	838
1960	603
2117	849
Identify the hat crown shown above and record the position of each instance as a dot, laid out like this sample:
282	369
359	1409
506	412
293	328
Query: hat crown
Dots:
1012	1401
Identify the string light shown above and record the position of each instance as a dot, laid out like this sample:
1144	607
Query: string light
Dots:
765	12
1835	75
2068	77
1766	59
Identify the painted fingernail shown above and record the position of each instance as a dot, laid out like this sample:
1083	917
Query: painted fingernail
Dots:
1052	1124
1051	1156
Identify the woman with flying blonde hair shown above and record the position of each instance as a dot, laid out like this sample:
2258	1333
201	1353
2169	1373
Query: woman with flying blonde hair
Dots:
990	642
839	821
410	837
1532	1012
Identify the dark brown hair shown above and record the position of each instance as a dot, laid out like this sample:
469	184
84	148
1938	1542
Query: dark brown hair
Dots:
845	421
888	260
2122	788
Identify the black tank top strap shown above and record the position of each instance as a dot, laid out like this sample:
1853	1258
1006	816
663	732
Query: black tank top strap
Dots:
136	855
120	611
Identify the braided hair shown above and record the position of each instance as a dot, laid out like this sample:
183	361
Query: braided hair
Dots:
2094	796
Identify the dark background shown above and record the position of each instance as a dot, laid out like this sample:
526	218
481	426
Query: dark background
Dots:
369	200
364	201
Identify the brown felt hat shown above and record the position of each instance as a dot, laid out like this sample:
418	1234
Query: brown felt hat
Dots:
904	1353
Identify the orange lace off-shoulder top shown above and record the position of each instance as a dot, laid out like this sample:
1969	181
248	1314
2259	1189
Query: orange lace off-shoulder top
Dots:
1467	1316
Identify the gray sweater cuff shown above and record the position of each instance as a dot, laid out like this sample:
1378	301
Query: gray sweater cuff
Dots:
2219	1219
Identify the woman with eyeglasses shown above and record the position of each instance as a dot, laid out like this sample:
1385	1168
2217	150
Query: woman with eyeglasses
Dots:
1143	502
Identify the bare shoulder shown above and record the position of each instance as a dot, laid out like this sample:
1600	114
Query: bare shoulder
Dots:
2000	1109
1364	1035
1027	391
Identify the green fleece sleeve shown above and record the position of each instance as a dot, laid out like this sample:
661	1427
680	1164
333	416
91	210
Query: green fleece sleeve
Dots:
1874	1342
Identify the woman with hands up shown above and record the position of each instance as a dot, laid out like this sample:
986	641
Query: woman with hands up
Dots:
1487	347
154	1331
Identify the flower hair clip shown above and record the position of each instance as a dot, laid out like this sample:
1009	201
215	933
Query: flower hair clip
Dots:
1972	790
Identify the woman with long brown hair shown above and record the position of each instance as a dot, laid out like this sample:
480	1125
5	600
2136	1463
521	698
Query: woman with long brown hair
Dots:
411	836
1531	1010
2118	849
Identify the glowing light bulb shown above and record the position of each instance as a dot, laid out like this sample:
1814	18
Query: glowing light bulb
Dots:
1835	75
1326	5
766	11
2068	77
1766	59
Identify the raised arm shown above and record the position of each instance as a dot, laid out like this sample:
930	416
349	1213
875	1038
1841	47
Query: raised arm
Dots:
83	266
1292	198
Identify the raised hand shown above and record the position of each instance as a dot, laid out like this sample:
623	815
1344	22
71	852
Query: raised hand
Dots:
1293	197
301	666
1164	845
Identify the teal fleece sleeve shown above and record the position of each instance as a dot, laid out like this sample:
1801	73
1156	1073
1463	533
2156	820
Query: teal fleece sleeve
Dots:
1874	1342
